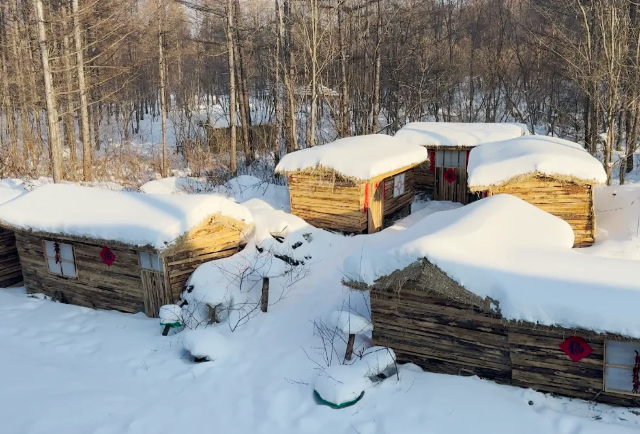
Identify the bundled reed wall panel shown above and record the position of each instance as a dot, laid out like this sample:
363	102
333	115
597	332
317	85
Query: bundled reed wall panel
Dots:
323	202
96	286
443	335
204	245
10	270
569	201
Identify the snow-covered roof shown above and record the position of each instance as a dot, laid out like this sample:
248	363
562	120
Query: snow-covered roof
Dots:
496	163
130	218
359	157
458	134
6	194
509	250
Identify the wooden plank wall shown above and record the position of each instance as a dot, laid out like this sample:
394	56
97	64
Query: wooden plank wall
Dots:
97	286
571	202
10	270
424	177
208	243
444	336
323	203
393	204
440	335
455	191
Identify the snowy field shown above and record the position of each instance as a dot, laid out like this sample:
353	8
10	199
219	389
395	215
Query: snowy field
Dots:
75	370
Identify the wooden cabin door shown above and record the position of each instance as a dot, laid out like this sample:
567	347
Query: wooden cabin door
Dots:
154	292
376	207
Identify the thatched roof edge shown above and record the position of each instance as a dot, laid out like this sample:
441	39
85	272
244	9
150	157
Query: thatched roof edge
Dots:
528	176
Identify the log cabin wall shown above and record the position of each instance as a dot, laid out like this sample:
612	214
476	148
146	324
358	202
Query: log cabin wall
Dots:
454	191
206	244
451	337
571	202
10	270
96	286
393	204
326	203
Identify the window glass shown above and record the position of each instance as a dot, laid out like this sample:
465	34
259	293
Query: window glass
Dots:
398	185
619	364
619	379
145	261
62	264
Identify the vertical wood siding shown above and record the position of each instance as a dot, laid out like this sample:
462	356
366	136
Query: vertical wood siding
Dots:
10	270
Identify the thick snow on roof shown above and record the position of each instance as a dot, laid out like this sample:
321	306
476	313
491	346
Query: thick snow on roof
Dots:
6	194
509	250
458	134
131	218
496	163
361	157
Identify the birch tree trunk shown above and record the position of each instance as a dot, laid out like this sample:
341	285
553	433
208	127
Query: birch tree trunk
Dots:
345	127
85	129
314	72
69	127
375	109
232	89
287	47
163	81
278	86
245	111
55	151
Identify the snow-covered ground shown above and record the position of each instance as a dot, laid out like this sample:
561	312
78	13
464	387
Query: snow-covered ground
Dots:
75	370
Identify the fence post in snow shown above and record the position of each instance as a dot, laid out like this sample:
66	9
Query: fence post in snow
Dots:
265	294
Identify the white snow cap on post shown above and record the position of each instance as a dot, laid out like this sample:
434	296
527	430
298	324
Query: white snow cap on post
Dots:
360	157
350	323
170	314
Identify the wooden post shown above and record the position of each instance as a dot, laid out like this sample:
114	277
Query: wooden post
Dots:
212	314
265	294
349	352
165	331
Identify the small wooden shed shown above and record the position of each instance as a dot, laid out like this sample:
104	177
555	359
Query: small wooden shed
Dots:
449	144
10	271
556	175
126	251
548	318
353	184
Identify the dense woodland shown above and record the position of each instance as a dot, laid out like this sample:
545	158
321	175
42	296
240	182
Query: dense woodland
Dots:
313	69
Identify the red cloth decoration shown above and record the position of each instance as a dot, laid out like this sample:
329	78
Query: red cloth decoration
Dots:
366	198
636	374
107	256
450	175
56	249
576	348
432	161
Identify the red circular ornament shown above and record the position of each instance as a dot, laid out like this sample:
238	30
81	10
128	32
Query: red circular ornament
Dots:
450	175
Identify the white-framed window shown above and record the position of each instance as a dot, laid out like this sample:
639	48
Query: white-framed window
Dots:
60	259
150	261
620	359
398	185
453	159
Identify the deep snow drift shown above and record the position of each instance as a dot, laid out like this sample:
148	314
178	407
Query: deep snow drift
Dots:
511	251
496	163
131	218
458	134
360	157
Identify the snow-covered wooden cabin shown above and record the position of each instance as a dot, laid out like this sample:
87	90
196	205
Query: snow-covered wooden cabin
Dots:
352	184
553	174
10	271
126	251
516	305
449	144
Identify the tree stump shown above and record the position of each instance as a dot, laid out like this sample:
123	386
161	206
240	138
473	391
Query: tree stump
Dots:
212	314
350	343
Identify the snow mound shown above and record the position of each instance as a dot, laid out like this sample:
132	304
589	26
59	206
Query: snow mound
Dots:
351	323
131	218
504	248
375	361
497	163
341	384
206	343
10	189
458	134
176	185
360	157
170	314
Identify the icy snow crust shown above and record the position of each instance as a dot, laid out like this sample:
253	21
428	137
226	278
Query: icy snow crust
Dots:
130	218
509	250
360	157
458	134
496	163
